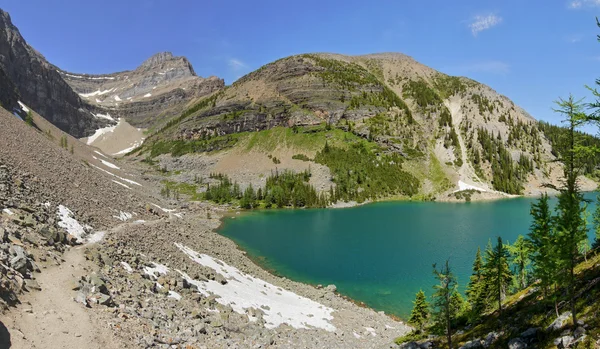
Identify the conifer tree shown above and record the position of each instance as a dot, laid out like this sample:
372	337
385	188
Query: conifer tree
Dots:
443	310
542	240
520	252
420	311
475	289
498	273
570	215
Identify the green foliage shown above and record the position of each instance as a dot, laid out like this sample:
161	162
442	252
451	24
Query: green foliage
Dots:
444	309
249	199
300	157
420	311
465	194
476	288
361	174
181	147
422	94
596	223
497	272
558	137
343	74
484	104
508	177
29	118
63	142
293	190
448	86
520	252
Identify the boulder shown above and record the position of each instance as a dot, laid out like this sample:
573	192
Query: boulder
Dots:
490	339
559	323
331	288
564	342
517	343
474	344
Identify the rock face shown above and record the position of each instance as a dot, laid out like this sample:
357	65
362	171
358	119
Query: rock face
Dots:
160	86
40	86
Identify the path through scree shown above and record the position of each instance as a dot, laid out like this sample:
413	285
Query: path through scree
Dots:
50	318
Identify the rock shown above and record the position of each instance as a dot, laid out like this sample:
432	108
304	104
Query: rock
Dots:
490	339
530	333
516	343
410	345
426	345
331	288
559	323
95	280
31	284
564	342
474	344
579	332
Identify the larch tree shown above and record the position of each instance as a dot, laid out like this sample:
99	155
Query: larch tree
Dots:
443	310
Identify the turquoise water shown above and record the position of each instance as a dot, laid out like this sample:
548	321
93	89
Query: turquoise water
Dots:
382	253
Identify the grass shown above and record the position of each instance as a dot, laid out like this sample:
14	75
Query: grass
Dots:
437	175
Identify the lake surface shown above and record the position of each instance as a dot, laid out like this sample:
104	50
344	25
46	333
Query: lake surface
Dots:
381	253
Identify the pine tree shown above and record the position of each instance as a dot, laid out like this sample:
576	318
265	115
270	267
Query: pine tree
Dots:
443	310
520	252
475	289
498	272
420	311
596	222
570	215
542	240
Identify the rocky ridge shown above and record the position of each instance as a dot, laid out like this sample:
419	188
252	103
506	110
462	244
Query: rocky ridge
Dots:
159	87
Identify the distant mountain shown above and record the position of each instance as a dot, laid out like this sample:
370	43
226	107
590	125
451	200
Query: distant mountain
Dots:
79	104
160	86
452	132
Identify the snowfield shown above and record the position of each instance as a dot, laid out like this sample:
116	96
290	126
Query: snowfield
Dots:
99	132
244	291
464	186
70	224
23	107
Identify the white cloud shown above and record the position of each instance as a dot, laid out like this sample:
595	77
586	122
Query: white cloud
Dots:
481	23
577	4
489	67
237	64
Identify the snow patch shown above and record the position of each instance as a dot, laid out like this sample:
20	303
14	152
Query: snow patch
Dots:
164	209
175	295
98	101
110	164
127	150
371	330
121	184
127	267
117	98
103	116
99	132
356	335
114	175
99	153
148	95
464	186
123	216
70	224
23	107
139	221
243	292
159	269
96	93
96	237
8	211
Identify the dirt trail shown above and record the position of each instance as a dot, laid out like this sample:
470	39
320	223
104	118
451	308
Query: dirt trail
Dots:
50	318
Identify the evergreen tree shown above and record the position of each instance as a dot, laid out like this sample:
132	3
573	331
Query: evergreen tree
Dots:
520	252
542	241
596	222
498	273
570	215
443	310
476	287
420	311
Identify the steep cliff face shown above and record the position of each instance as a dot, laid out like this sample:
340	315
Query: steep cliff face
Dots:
159	87
40	86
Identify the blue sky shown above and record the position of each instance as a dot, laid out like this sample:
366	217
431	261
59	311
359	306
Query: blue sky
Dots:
533	51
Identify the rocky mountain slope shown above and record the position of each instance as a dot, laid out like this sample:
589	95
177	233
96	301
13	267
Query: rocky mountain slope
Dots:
40	86
160	86
451	132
